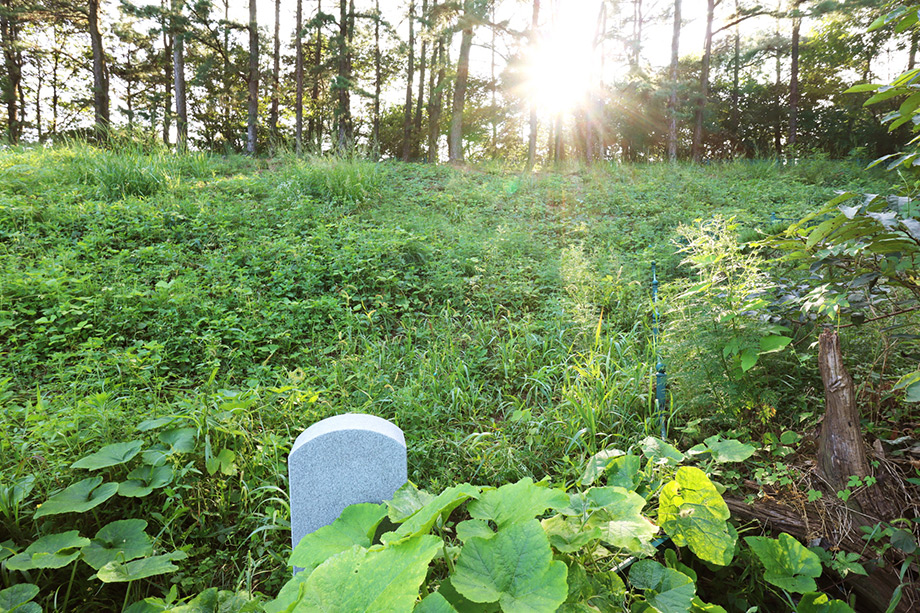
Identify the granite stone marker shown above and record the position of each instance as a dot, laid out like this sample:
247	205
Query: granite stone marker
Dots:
340	461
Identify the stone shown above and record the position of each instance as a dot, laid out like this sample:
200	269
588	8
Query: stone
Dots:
340	461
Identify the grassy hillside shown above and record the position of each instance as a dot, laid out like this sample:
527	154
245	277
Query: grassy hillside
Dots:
213	308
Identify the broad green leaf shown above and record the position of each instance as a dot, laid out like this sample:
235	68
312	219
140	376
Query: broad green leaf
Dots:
360	580
597	465
355	526
693	513
514	568
118	541
903	540
749	358
463	604
120	572
728	450
788	563
698	606
144	479
407	500
110	455
624	472
517	502
14	493
473	527
816	602
772	343
223	461
180	440
79	497
213	600
666	590
17	598
622	524
660	452
50	551
434	603
569	535
425	518
862	87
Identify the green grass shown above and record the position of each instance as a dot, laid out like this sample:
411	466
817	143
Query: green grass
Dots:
502	321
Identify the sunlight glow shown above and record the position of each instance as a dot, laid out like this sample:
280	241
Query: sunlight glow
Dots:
560	72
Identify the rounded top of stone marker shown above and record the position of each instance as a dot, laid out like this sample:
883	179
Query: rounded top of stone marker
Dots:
350	421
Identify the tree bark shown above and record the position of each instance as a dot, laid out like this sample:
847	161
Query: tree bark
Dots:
100	71
417	126
794	76
435	99
12	55
315	123
179	78
455	138
532	137
276	76
343	105
253	115
697	147
375	138
672	99
298	77
407	110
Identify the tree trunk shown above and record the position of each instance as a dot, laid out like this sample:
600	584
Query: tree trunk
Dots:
343	105
532	137
697	148
12	55
736	81
407	110
179	78
493	110
794	76
434	110
100	72
841	450
912	58
417	126
672	99
298	77
276	75
252	123
375	138
167	82
314	127
455	139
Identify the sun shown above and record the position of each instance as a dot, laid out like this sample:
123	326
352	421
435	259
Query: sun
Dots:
561	66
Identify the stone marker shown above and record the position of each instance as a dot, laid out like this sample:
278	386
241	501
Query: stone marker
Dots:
340	461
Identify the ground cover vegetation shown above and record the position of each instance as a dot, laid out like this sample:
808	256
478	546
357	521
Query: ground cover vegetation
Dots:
169	323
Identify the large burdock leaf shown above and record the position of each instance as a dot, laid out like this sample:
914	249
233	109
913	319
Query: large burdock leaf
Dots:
407	500
728	450
666	590
514	568
693	513
18	597
788	563
517	502
144	479
441	505
434	603
816	602
568	535
79	497
121	541
597	465
621	522
120	572
110	455
660	452
360	580
50	551
355	526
